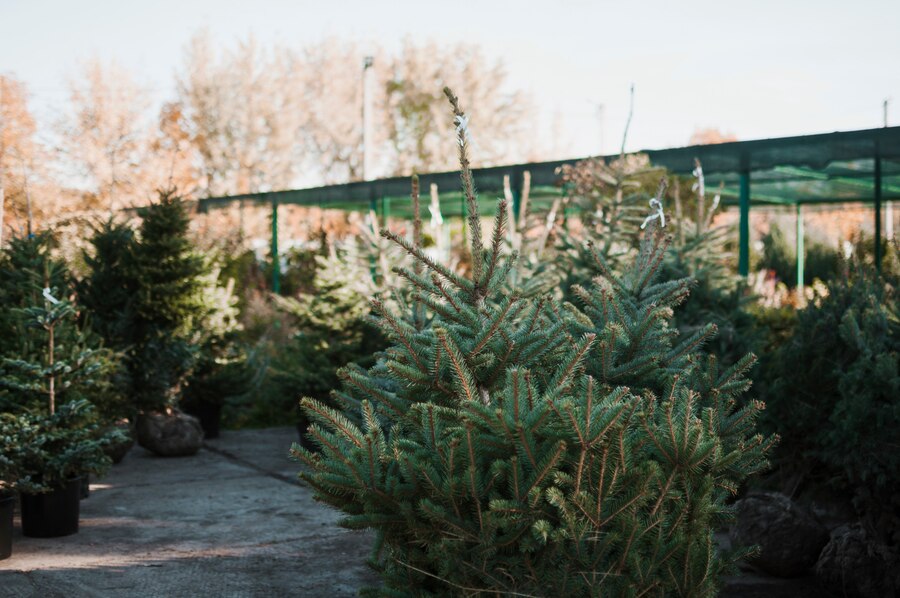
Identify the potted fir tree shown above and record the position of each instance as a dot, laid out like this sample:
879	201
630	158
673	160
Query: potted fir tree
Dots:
54	453
27	267
56	443
144	292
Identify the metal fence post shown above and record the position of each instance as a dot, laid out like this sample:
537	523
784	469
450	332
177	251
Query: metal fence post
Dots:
276	260
877	207
744	225
516	188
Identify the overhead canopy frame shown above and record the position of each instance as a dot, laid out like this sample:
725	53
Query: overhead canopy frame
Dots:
841	167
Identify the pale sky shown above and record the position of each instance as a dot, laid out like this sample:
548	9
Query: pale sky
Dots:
756	68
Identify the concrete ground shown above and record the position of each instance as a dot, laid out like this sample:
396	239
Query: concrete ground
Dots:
230	521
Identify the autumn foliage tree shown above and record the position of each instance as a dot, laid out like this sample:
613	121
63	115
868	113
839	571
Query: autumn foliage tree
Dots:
18	152
249	118
104	132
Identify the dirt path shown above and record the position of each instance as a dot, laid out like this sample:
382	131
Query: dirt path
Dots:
230	521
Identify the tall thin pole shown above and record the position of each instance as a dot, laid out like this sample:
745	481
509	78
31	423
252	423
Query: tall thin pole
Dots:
368	61
888	205
877	207
744	225
276	260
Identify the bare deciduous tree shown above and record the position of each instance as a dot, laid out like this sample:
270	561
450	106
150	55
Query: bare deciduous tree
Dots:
22	160
172	160
242	114
104	133
260	120
418	128
330	75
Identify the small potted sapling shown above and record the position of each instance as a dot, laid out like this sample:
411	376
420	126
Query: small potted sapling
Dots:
54	445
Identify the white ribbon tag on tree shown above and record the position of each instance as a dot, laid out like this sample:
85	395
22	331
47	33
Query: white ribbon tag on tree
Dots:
657	206
50	297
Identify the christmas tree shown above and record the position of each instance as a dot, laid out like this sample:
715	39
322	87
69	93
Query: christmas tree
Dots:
24	262
109	287
496	447
225	367
331	331
145	294
46	354
44	391
834	396
700	251
699	442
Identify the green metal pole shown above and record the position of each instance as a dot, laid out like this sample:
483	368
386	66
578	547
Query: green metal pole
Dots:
744	226
386	209
276	262
877	208
516	188
373	209
801	253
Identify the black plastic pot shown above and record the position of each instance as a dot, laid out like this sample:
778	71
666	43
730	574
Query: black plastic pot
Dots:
85	491
7	504
53	513
209	414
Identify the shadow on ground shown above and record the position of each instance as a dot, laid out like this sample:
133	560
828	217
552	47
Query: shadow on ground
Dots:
230	521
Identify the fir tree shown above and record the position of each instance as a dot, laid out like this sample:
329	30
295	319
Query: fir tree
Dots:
493	449
331	331
46	354
167	303
108	289
834	396
224	366
146	297
699	442
55	431
700	251
24	262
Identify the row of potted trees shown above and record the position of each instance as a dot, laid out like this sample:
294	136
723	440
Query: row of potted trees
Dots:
51	436
88	362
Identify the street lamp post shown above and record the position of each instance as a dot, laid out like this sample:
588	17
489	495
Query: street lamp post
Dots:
368	61
888	206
